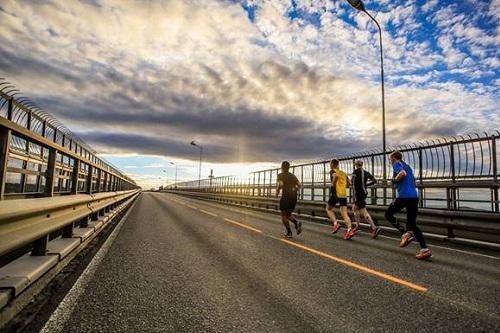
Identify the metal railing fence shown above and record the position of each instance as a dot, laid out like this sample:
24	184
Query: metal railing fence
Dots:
40	157
459	173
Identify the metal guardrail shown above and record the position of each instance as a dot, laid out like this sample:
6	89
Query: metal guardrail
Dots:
55	230
459	173
40	157
468	227
59	193
31	221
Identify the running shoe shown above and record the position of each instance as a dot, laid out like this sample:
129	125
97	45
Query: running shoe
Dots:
288	235
298	227
355	229
406	239
375	232
336	227
349	233
424	254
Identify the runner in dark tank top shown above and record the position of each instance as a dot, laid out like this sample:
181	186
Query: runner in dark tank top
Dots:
289	184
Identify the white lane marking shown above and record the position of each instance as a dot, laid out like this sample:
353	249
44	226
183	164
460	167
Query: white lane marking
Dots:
207	212
64	310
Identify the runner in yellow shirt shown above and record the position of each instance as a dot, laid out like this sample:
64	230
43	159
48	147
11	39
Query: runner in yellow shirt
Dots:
338	194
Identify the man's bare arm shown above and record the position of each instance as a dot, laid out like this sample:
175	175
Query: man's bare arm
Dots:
399	177
279	186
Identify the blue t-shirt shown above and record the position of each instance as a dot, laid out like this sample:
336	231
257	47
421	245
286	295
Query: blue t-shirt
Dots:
407	187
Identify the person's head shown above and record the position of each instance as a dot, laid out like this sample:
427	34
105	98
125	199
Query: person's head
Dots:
334	164
358	164
285	166
395	156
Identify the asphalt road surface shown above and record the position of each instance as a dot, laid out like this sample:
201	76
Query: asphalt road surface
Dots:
182	265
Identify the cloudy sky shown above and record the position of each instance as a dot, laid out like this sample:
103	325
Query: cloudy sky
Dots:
253	82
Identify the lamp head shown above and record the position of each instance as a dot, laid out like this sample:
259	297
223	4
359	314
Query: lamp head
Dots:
358	4
193	143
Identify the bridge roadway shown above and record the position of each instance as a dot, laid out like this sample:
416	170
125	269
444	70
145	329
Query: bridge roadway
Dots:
184	265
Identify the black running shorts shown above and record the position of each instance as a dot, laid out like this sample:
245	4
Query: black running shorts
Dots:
360	201
334	200
287	204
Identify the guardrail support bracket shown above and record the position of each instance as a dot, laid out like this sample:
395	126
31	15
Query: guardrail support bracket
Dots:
68	231
40	246
84	222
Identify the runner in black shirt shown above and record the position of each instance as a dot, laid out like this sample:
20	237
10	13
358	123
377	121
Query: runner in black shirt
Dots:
290	185
361	180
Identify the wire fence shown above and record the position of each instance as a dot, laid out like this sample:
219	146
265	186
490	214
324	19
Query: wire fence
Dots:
38	137
458	173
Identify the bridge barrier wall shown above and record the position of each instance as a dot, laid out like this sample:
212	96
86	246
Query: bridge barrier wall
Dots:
40	236
479	229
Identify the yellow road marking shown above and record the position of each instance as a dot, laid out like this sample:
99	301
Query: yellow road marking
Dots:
357	266
207	212
191	206
242	225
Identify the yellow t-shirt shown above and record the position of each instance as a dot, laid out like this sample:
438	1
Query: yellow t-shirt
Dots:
341	185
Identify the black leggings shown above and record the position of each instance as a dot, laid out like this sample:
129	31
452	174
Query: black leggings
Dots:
411	205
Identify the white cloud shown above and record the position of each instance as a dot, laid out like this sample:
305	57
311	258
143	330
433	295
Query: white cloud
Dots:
201	57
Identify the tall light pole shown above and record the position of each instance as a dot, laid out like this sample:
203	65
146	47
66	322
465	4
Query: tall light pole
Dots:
358	4
166	177
175	182
201	154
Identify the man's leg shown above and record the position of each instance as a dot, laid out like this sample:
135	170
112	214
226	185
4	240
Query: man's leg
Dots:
345	216
332	218
393	208
411	224
298	224
356	212
331	214
284	219
364	213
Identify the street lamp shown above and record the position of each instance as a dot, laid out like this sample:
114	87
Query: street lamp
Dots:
166	177
199	169
358	4
175	182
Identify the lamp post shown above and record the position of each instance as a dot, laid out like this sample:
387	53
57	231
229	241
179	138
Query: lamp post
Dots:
166	177
175	182
359	5
199	168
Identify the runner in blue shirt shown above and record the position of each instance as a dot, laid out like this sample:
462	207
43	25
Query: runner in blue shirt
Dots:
407	198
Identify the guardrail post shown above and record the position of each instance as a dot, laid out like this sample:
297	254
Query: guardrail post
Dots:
312	183
324	181
106	180
40	246
10	108
302	182
452	203
495	173
74	177
84	222
28	122
253	185
270	182
98	181
68	231
50	173
258	184
450	233
420	178
90	175
5	138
